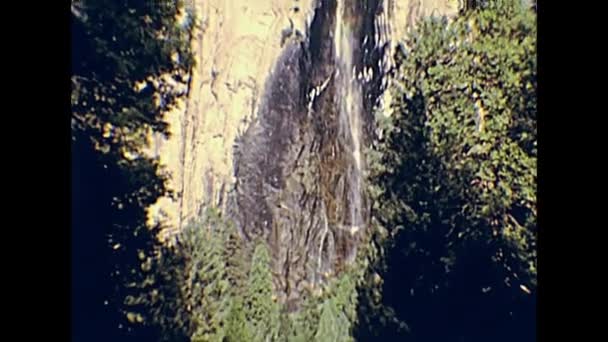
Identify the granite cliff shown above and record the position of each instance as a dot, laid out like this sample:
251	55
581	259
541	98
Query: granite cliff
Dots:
278	115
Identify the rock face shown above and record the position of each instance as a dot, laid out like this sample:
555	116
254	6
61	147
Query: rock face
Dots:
278	115
298	166
235	48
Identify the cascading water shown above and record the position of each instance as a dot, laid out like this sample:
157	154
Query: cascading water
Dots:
349	103
300	165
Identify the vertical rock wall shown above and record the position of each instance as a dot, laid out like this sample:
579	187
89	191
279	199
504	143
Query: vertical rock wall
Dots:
268	131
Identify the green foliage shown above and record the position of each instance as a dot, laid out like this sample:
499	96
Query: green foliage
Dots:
461	155
338	311
130	64
455	174
345	298
235	254
262	312
237	328
207	284
191	293
131	61
303	324
333	325
201	289
254	315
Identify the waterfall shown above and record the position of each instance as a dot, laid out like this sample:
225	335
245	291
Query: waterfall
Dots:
350	108
300	165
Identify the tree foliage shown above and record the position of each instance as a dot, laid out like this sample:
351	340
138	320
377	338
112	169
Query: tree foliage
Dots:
237	327
196	296
333	325
262	312
457	174
302	325
338	313
203	289
130	65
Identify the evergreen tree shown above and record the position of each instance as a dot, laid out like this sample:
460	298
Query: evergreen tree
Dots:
237	327
194	298
261	311
346	298
333	325
236	260
210	284
131	60
304	322
457	186
338	310
130	64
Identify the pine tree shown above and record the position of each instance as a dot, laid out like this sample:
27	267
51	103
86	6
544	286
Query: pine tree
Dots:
333	324
304	322
261	311
346	297
236	260
194	296
237	327
209	282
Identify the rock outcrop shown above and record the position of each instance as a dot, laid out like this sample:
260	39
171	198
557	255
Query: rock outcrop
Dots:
236	45
280	107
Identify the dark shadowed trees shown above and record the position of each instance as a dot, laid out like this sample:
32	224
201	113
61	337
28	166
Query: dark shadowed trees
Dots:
130	64
457	178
